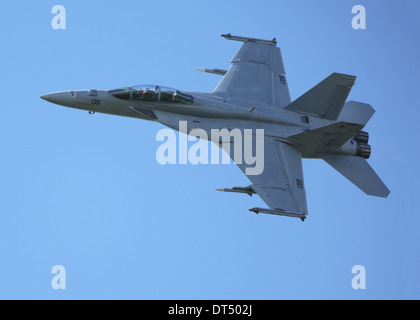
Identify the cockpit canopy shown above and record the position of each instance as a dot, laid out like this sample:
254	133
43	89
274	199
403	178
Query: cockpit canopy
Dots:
152	93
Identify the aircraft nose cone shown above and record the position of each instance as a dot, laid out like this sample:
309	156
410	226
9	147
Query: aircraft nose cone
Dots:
64	98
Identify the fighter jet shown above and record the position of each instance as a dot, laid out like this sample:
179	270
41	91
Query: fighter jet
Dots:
254	94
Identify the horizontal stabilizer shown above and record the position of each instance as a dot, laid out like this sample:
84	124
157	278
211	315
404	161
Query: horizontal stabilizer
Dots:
326	99
359	172
334	135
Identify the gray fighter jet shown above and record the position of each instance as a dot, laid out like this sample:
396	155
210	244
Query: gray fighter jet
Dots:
254	94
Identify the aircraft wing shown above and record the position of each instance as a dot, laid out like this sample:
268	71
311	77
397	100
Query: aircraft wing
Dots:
281	184
257	74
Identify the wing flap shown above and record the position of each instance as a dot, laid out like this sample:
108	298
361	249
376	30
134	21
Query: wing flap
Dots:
275	198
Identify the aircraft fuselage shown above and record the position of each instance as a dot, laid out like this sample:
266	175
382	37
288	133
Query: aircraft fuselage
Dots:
209	111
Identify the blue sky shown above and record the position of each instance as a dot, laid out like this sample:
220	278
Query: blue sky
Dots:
86	192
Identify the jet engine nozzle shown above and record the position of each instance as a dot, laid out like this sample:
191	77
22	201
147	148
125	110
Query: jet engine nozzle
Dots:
363	150
362	136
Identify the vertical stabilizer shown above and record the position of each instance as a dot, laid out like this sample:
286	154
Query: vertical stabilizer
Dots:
359	172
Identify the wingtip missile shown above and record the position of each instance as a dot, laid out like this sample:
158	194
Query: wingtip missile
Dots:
248	190
229	36
220	72
279	212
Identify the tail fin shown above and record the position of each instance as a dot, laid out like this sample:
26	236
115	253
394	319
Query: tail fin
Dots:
359	172
356	112
326	99
352	119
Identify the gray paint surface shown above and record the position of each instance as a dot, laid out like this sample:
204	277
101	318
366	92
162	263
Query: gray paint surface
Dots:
254	94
